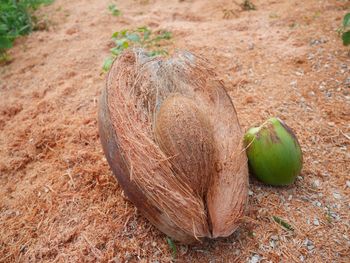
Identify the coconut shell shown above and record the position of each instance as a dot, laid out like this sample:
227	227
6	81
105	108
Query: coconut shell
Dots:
171	135
184	133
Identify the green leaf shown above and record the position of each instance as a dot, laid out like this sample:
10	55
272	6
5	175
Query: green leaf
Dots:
107	64
5	43
133	37
141	37
146	35
122	43
248	5
146	32
34	4
111	7
125	45
283	223
142	29
114	10
172	247
3	29
24	29
4	57
346	21
165	35
116	51
346	38
152	53
115	34
162	36
159	52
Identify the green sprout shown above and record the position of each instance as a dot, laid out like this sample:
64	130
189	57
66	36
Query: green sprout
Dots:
345	30
141	37
172	247
114	10
283	223
248	5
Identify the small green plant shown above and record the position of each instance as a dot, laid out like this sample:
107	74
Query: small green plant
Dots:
114	10
282	223
228	13
345	30
16	19
140	37
328	216
248	5
172	247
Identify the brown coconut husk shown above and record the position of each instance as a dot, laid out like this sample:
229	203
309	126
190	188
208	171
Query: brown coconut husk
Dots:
148	158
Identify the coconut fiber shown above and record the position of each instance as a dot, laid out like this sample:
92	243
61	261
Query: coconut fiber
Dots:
171	135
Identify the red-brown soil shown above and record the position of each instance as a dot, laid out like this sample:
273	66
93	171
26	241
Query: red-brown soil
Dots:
58	199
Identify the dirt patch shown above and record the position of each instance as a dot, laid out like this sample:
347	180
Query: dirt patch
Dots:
59	201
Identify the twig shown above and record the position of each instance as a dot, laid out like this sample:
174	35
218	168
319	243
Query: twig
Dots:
345	135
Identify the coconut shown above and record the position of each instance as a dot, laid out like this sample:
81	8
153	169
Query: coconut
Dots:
190	151
274	153
171	136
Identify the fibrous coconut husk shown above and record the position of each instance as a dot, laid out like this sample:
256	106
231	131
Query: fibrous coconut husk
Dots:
172	138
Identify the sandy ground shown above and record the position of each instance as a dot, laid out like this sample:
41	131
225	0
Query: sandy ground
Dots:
58	199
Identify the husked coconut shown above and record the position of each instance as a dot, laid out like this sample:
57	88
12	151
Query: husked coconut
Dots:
171	135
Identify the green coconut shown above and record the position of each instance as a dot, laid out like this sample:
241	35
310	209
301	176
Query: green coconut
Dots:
274	153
